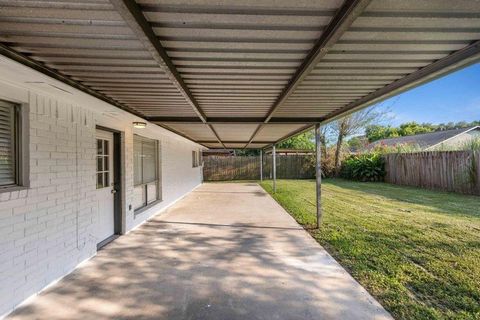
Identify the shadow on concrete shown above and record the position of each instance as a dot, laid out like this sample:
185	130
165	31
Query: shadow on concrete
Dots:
200	270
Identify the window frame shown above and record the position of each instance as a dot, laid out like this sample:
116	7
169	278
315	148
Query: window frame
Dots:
200	158
157	181
20	152
106	156
194	159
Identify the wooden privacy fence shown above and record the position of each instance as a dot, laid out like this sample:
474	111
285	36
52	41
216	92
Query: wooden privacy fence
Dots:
454	171
248	167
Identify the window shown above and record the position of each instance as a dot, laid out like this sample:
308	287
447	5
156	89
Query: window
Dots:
194	159
146	171
9	145
103	163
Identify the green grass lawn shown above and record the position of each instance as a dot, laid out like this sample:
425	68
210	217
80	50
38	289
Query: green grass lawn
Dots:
416	251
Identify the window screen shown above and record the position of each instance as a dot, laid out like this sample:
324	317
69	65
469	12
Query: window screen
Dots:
146	171
8	145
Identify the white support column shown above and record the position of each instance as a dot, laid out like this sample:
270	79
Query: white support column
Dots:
274	169
261	165
318	173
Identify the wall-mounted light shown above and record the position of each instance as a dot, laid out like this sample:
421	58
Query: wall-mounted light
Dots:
139	125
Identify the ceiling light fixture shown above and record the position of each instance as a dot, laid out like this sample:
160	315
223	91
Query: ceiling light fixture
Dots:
139	125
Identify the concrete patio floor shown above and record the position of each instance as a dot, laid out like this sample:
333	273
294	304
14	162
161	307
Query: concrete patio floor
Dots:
226	251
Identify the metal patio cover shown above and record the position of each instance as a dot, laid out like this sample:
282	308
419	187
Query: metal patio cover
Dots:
241	73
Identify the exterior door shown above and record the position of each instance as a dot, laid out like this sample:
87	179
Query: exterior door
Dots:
105	186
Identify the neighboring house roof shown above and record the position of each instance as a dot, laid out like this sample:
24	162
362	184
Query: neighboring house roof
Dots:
424	140
291	151
218	152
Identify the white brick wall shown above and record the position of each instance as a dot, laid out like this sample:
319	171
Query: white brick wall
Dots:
48	229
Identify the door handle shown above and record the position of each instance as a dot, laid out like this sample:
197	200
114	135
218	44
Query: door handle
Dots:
113	191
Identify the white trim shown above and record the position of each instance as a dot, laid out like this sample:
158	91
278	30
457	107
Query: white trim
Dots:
463	132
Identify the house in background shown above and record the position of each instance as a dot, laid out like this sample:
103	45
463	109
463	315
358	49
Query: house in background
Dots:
438	140
291	152
218	153
107	105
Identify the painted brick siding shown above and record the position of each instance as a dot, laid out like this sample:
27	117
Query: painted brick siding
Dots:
48	229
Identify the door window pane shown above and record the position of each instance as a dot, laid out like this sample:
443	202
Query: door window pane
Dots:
103	166
99	147
99	164
100	180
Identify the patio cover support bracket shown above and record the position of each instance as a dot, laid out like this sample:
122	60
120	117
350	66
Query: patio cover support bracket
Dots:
318	174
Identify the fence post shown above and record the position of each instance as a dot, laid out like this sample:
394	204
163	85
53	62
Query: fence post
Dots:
274	169
318	173
261	165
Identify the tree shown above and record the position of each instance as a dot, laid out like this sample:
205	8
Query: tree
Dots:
356	143
412	128
353	124
303	141
377	132
247	152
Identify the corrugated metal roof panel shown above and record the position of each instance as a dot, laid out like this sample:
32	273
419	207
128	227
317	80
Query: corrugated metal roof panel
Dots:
273	132
238	41
388	40
90	42
243	59
198	131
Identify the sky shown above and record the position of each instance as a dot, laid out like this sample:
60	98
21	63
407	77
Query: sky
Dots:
453	98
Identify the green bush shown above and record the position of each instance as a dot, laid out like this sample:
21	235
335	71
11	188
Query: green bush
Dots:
364	167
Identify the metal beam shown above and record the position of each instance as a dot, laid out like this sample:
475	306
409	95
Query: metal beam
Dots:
133	16
459	59
291	134
181	134
342	20
257	130
233	141
318	174
216	135
235	120
261	165
274	169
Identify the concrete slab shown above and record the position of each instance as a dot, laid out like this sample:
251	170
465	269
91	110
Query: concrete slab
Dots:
226	251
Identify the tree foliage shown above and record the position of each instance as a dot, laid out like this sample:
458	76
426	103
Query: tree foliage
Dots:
353	124
303	141
376	132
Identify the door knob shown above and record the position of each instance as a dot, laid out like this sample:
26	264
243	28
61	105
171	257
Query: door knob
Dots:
113	191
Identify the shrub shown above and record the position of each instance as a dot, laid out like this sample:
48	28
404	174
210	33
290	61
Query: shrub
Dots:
328	163
364	167
397	148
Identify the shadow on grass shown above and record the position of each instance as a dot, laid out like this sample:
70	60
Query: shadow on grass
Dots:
445	202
